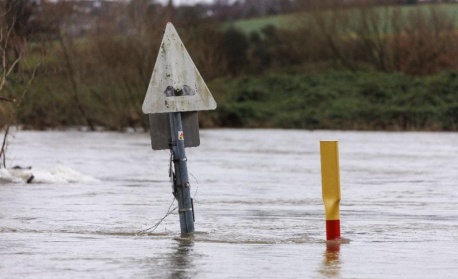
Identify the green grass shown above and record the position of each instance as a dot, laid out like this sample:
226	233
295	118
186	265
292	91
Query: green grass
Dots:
257	24
288	21
339	100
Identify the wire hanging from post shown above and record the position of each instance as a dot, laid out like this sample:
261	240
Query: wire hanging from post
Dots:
153	228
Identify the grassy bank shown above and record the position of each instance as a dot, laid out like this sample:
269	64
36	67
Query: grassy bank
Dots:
332	99
338	100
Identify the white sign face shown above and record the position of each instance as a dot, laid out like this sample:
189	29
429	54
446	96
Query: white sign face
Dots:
176	85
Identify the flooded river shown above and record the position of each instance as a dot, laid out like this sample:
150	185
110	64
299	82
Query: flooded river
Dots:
258	207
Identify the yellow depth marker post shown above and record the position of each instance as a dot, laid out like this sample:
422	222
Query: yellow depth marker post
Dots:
330	179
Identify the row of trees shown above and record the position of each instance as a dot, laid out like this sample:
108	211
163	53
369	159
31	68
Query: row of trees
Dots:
99	78
418	42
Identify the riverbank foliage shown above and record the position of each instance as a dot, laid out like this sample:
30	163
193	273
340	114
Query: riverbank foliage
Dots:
339	100
365	68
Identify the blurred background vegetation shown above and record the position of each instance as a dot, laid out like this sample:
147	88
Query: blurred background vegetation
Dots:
365	65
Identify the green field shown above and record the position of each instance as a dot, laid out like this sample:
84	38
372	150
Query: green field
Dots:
288	21
257	24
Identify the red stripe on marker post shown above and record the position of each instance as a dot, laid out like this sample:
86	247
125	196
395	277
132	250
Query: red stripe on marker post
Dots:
332	229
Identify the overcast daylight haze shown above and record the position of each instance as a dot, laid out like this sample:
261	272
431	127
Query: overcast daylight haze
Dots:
228	138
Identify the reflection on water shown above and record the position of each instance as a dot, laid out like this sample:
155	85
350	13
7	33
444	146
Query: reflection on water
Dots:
331	262
181	264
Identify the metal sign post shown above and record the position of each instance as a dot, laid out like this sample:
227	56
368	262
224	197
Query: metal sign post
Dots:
181	186
175	94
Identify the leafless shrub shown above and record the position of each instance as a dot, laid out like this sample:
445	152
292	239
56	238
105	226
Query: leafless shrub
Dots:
12	50
427	44
420	42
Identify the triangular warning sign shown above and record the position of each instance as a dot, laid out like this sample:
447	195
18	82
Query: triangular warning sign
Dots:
176	85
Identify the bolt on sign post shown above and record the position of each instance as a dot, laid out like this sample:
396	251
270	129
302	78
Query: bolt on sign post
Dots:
175	94
330	179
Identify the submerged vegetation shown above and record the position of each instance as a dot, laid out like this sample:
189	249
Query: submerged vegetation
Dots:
383	68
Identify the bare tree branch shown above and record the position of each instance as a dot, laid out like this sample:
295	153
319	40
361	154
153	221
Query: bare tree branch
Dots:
70	61
7	99
12	118
7	69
